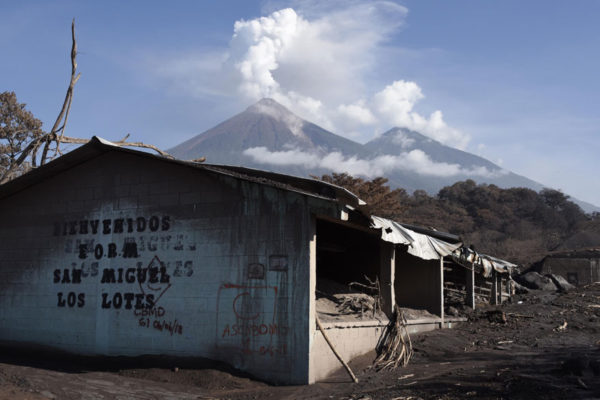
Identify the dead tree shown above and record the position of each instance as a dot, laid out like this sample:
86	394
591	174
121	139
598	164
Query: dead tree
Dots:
49	143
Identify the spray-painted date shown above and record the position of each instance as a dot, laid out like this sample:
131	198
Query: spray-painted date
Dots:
162	325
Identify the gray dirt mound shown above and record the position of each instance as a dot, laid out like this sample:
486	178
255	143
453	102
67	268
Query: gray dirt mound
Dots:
561	283
533	280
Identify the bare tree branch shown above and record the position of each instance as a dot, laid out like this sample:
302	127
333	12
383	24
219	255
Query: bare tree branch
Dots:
63	116
47	140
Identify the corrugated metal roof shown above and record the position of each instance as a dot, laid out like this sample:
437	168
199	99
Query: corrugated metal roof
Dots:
419	244
445	236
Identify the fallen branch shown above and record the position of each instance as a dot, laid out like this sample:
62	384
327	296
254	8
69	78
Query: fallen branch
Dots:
582	383
375	288
562	327
519	315
357	303
346	366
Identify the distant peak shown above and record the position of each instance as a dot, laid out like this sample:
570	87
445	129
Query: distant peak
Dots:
275	110
406	133
267	103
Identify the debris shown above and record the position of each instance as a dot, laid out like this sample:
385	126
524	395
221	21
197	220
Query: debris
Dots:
519	315
561	283
497	316
338	302
453	311
393	349
357	303
48	395
406	376
519	289
582	383
533	280
372	303
562	327
505	341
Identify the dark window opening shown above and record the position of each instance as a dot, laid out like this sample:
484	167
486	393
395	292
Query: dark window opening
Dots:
455	288
346	255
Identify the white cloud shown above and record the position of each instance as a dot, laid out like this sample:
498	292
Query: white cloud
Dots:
395	104
403	139
414	160
357	113
318	60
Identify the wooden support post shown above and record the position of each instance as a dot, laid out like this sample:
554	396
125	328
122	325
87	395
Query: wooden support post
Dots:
312	286
499	288
387	271
494	294
337	355
441	291
470	287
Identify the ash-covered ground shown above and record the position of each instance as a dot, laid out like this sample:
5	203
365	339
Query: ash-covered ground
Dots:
540	345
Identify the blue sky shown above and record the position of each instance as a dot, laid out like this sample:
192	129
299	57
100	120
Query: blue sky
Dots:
513	81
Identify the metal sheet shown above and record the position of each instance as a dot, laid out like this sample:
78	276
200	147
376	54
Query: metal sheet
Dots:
419	245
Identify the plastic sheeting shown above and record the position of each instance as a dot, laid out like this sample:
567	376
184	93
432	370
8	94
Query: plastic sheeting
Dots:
419	245
501	266
482	263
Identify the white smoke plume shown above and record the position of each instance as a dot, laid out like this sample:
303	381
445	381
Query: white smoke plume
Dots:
317	61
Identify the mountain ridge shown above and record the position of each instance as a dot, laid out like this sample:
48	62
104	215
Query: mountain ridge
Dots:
268	136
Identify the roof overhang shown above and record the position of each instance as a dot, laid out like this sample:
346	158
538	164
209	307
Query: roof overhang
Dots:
98	146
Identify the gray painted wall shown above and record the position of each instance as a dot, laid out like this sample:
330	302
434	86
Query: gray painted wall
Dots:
204	265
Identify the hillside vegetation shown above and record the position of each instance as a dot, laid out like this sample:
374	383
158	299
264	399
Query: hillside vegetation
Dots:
517	224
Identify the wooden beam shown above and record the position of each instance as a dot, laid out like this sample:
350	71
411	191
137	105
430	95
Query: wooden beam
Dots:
470	287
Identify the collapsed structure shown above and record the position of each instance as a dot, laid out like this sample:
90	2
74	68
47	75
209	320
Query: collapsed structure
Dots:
580	267
114	251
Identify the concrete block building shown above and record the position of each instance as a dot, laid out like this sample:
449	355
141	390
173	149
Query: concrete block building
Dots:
113	251
580	267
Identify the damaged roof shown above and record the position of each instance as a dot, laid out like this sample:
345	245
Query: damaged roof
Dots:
424	244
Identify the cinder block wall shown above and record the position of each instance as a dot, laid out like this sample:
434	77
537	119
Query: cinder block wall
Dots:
125	255
579	271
